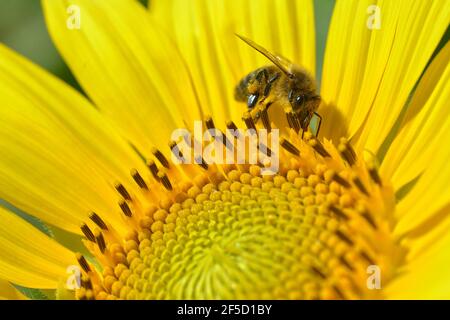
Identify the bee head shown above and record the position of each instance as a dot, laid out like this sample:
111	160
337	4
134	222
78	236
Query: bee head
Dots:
304	100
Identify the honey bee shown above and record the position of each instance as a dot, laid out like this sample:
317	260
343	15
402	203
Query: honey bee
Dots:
284	83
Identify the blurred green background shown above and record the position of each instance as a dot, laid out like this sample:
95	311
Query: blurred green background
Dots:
22	28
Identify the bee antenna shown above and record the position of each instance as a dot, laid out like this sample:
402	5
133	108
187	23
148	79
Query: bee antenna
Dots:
273	58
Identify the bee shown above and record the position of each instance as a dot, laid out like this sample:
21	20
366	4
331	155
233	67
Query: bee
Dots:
284	83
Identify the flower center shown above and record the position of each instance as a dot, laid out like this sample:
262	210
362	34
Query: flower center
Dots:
319	228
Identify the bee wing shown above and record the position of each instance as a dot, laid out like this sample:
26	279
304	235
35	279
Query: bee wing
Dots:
284	64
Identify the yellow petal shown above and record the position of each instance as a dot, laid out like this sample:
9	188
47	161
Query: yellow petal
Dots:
350	67
421	25
59	158
431	193
369	73
8	292
28	257
413	149
426	274
205	33
128	68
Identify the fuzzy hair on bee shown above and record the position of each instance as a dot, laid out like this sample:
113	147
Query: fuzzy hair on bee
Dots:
284	83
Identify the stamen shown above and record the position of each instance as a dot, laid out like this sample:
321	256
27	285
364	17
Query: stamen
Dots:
87	232
98	221
265	119
232	126
318	147
367	216
343	237
209	123
349	147
374	174
289	147
83	263
366	256
201	162
165	181
122	191
176	151
126	209
161	158
346	263
338	291
333	175
292	120
153	169
86	282
138	179
347	152
265	149
100	241
249	121
338	212
320	273
357	181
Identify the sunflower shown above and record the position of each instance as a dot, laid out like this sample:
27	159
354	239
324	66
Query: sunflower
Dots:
361	211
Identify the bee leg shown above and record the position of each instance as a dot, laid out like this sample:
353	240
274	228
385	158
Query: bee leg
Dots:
270	82
261	74
320	122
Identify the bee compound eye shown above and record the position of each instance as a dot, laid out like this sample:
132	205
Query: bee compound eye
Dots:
299	100
252	99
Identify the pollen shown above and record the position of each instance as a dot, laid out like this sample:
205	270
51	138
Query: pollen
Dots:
198	231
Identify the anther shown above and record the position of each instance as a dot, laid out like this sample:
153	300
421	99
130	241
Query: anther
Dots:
98	221
332	175
265	118
265	149
289	147
86	282
87	232
350	149
346	263
232	126
138	179
343	237
151	165
100	241
83	263
367	257
292	120
209	123
346	153
122	191
125	208
338	212
338	291
373	172
201	162
165	181
161	158
357	181
366	215
249	121
318	272
176	151
319	148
